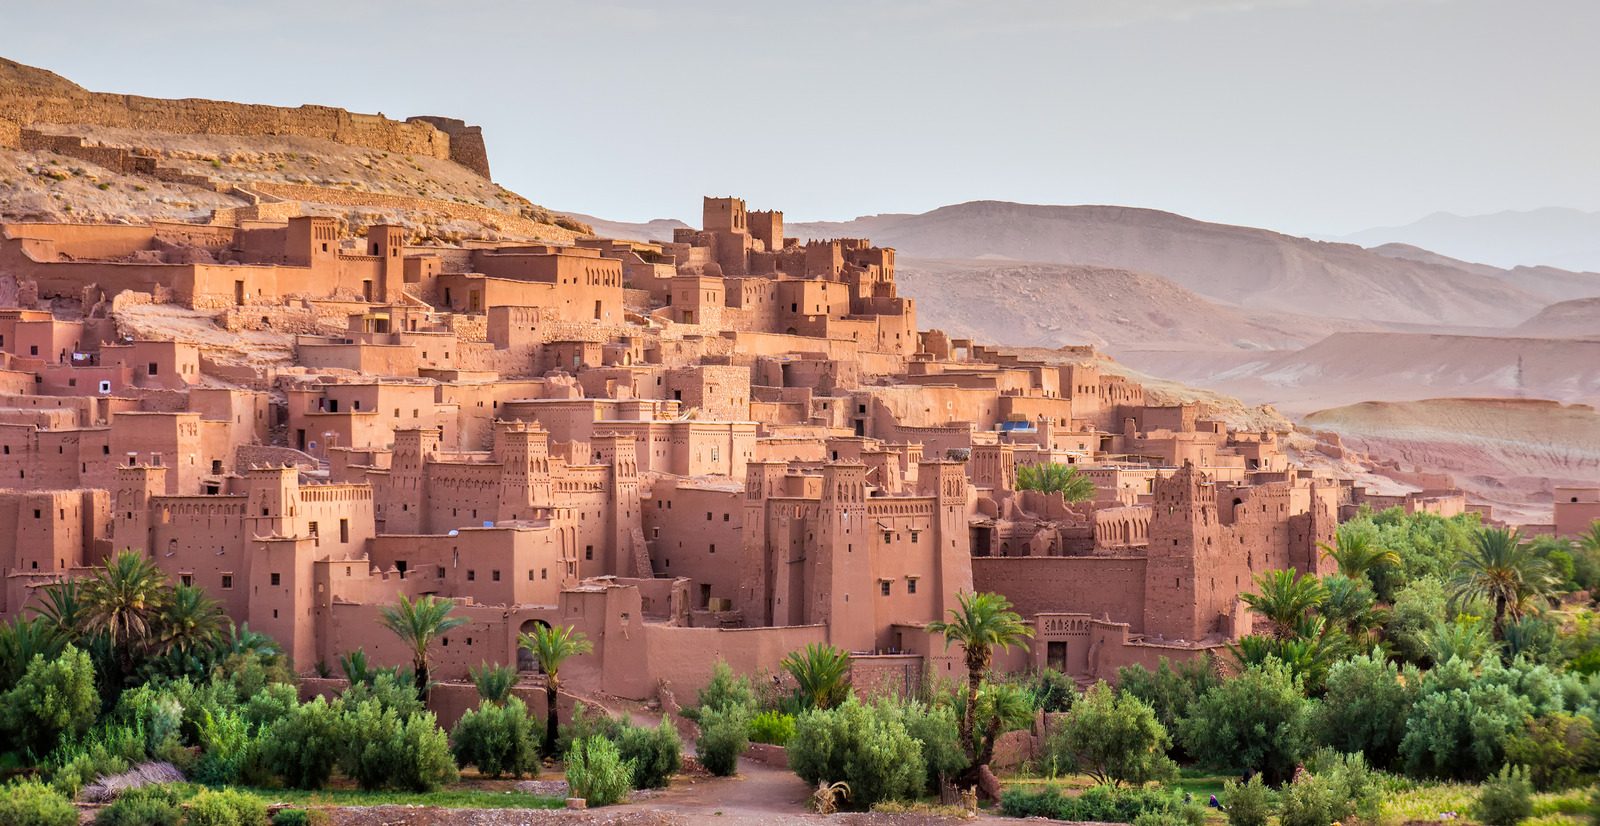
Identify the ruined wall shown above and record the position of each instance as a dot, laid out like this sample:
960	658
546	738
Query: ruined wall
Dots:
32	96
1097	586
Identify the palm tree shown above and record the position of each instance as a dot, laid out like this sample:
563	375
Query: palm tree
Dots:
1351	605
1589	540
192	622
821	674
21	640
1502	569
417	622
1356	550
1285	598
551	647
64	607
1051	477
123	601
982	623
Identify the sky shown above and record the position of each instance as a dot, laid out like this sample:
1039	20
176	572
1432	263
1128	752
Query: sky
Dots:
1318	117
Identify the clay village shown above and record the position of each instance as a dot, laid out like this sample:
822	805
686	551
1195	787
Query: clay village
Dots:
337	503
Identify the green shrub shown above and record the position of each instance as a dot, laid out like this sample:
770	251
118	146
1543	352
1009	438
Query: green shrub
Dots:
270	705
497	739
654	753
865	746
156	711
1560	751
725	689
1464	715
1102	803
31	803
292	817
390	690
1308	801
1050	690
1505	799
387	751
1247	804
1256	721
227	748
55	698
587	723
1367	701
105	750
227	807
1168	691
596	772
144	806
724	735
937	732
303	748
1114	739
772	727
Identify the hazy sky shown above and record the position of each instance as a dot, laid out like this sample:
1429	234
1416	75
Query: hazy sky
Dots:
1311	116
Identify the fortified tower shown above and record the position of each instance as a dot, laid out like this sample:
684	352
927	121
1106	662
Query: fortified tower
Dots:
404	512
1183	533
842	559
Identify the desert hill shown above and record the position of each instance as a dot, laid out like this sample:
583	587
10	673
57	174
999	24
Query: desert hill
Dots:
68	154
1546	282
657	229
1553	236
1508	452
1050	305
1579	318
1345	368
1251	268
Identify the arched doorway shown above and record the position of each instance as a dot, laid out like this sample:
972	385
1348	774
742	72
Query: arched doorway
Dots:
525	660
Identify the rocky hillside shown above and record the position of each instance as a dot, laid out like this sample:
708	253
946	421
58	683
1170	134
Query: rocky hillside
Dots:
1579	318
1508	452
67	154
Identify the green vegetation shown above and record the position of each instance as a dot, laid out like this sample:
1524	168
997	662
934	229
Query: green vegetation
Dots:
982	623
497	739
821	674
597	773
1114	738
551	647
417	623
1051	477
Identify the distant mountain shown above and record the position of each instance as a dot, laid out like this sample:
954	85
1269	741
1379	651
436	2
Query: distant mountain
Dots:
1117	311
1249	268
1546	282
1579	318
659	229
1554	237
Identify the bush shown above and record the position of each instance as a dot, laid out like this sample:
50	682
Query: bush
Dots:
1102	803
227	749
55	698
390	690
596	772
1051	690
1256	721
1506	798
1366	705
1113	739
1560	751
724	735
144	806
587	723
725	689
494	682
303	748
1168	691
227	807
31	803
107	750
772	727
1308	801
272	704
655	754
1463	717
1247	804
497	739
867	747
937	733
292	817
387	751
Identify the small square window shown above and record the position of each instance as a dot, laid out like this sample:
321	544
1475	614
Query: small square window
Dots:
472	576
911	586
495	576
277	579
227	582
884	587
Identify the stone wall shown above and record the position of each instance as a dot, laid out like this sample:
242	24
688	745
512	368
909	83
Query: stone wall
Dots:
502	221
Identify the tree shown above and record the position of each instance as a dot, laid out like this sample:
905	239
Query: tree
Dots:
1285	598
821	674
1356	550
1169	691
1052	477
494	682
55	697
1114	739
1500	568
983	623
123	602
63	607
1256	721
865	746
417	622
497	738
20	641
551	646
191	622
1365	708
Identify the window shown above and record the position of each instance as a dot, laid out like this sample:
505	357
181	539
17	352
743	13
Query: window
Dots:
494	576
186	579
277	579
344	530
544	573
154	368
530	574
884	587
588	552
911	586
227	582
472	576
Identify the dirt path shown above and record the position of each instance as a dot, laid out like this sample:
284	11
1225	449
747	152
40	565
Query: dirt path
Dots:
758	794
